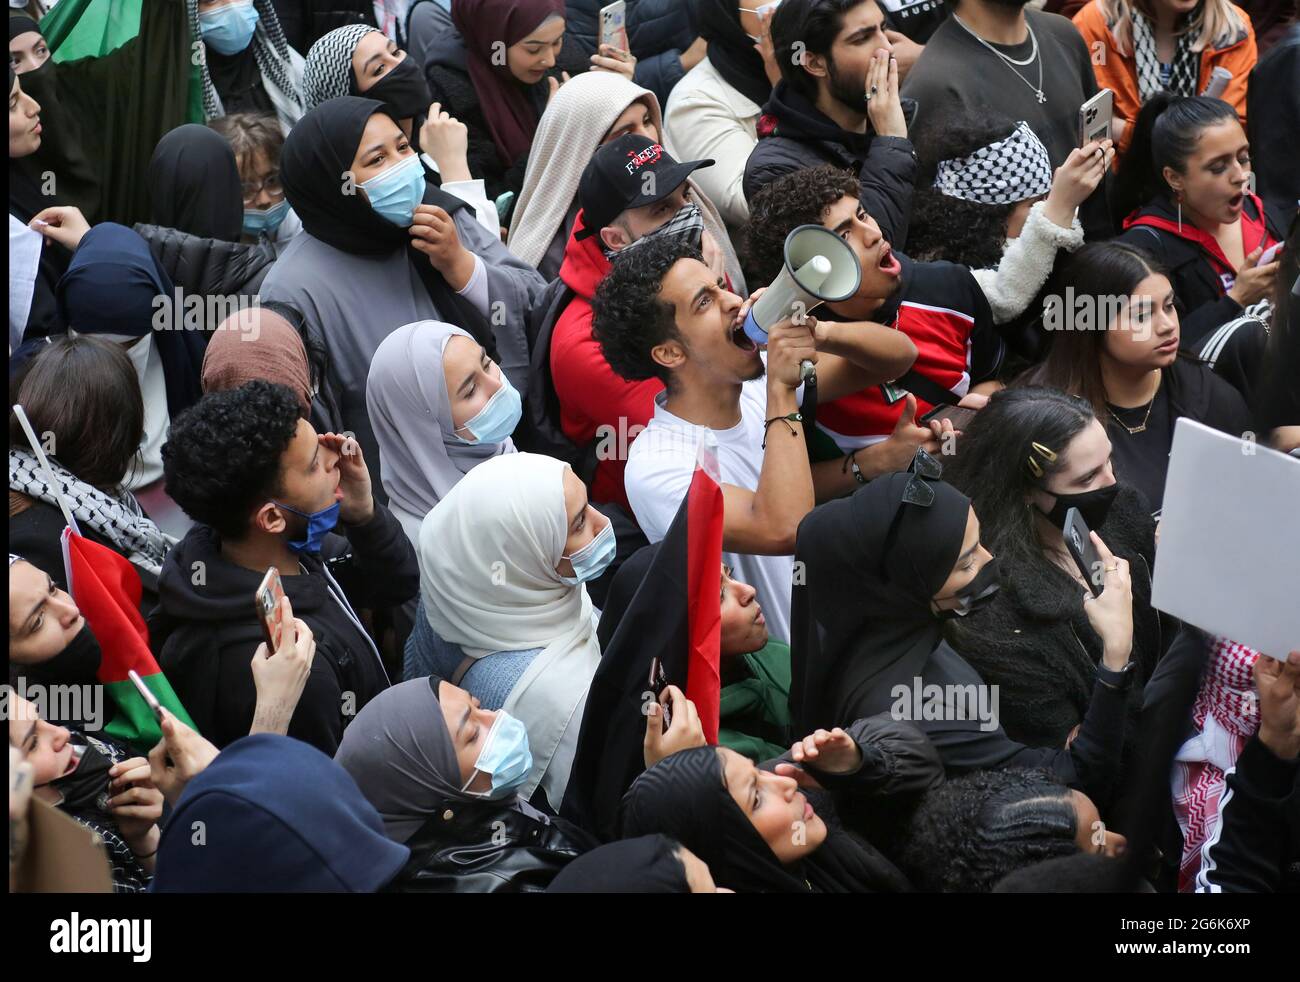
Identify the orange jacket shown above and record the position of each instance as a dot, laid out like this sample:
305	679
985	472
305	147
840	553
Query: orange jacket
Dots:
1119	73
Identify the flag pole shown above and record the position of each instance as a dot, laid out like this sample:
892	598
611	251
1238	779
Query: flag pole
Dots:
45	467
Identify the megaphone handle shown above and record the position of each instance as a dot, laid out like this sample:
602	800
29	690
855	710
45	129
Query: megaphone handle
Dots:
807	370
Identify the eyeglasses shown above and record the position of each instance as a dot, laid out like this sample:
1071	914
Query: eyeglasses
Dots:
270	184
917	492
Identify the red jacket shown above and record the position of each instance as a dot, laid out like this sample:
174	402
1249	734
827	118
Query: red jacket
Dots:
595	403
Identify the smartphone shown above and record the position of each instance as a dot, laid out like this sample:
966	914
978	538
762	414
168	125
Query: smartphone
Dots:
658	680
267	602
1084	553
613	26
960	415
1094	117
150	699
1271	253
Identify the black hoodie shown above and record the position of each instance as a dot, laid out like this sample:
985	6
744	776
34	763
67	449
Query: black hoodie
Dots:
205	630
794	134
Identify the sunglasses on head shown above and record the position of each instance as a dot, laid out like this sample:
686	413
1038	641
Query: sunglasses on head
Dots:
924	468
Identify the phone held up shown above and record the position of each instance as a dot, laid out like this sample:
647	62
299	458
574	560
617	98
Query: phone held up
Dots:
1078	542
266	600
613	26
1094	117
150	699
657	682
961	416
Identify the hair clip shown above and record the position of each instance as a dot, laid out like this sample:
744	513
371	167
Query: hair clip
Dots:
1049	455
1034	468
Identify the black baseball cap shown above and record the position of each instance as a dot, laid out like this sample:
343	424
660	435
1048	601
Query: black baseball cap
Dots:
614	181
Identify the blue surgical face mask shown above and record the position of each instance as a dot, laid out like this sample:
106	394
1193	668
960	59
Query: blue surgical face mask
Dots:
319	524
227	30
593	558
498	419
394	193
257	222
505	756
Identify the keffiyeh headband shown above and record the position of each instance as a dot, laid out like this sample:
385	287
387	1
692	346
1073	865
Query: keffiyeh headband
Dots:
1002	173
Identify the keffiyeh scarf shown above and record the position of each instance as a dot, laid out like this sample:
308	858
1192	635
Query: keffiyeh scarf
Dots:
1226	714
119	520
1185	67
327	73
270	49
688	222
1002	173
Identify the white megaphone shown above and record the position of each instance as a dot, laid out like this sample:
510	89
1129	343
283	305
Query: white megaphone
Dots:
819	268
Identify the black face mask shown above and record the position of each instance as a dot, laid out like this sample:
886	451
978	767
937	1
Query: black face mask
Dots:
1093	506
403	90
87	786
77	664
977	593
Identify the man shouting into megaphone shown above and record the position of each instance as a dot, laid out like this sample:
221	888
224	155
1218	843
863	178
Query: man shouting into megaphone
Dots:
663	313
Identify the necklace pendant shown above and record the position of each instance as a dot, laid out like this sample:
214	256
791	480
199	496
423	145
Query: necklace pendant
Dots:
1039	95
1135	430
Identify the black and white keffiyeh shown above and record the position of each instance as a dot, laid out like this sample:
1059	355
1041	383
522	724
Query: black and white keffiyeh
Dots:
1002	173
1183	71
270	49
327	73
119	520
688	222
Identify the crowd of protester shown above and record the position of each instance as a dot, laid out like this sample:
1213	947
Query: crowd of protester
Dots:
436	307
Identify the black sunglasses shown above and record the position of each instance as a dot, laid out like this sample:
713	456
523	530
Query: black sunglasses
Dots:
917	492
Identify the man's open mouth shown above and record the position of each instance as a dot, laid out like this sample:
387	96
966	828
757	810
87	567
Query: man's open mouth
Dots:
740	339
888	264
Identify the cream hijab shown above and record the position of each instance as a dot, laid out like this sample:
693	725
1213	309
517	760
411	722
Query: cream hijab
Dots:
488	552
568	135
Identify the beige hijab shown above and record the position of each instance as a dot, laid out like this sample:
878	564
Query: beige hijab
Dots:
568	134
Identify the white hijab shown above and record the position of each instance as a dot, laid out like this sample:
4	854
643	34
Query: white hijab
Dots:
488	552
568	135
420	459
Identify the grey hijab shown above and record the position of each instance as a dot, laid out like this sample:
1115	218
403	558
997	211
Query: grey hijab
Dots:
400	753
410	411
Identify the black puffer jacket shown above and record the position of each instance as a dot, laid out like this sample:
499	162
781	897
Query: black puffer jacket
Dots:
208	267
1034	641
794	134
658	31
489	847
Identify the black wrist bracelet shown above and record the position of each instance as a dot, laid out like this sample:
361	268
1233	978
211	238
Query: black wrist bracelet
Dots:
789	419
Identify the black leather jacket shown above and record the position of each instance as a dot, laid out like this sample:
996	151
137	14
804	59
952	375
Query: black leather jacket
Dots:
489	847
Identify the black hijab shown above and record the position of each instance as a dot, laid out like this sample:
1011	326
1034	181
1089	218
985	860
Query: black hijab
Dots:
238	80
731	50
648	864
684	796
194	184
318	151
61	151
854	634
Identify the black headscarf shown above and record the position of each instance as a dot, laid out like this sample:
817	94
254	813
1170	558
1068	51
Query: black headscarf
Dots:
61	151
684	796
854	635
648	864
731	50
317	153
194	184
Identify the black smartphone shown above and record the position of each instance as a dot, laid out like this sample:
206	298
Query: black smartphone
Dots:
960	415
658	681
1079	543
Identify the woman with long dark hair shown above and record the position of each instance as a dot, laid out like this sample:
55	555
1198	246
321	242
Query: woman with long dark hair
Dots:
1184	195
1117	346
1028	456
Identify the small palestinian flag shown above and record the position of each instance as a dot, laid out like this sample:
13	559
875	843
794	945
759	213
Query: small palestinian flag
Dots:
106	588
665	603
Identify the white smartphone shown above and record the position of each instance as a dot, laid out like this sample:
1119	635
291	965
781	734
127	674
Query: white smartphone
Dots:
1270	253
613	26
150	699
1094	117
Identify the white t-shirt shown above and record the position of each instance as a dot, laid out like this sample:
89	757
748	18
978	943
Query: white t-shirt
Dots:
660	465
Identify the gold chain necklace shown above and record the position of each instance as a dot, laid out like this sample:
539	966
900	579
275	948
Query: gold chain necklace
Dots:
1134	430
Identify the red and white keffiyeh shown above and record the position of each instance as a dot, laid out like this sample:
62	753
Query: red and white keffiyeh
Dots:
1226	714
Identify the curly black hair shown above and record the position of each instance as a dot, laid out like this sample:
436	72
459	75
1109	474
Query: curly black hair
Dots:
800	198
944	227
222	455
969	833
628	318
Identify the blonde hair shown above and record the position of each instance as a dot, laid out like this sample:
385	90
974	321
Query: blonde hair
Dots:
1209	23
